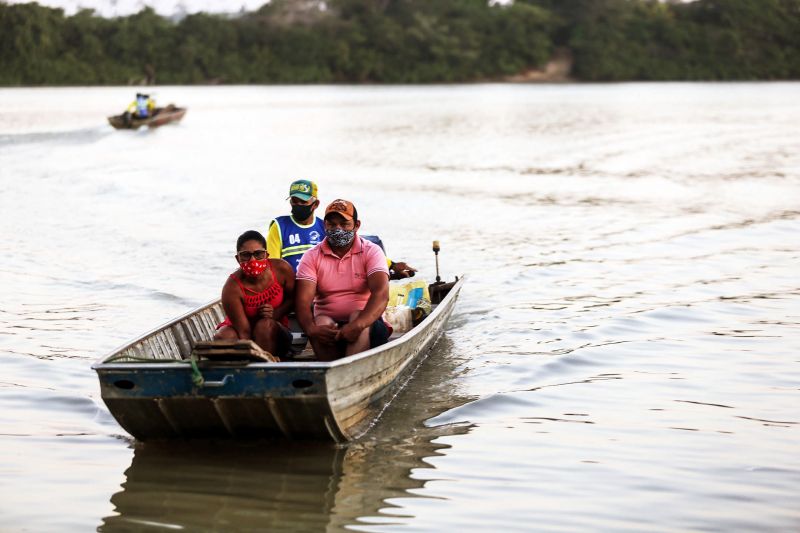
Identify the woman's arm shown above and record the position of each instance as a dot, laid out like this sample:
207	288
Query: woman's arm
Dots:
285	275
234	309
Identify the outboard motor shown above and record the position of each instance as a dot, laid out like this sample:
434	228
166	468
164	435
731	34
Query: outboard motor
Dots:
439	289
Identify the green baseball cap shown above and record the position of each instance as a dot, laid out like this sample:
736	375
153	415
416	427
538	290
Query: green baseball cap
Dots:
303	189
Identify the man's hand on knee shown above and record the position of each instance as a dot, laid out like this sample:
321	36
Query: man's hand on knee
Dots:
326	333
350	332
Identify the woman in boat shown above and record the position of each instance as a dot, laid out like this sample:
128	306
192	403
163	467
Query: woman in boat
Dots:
258	297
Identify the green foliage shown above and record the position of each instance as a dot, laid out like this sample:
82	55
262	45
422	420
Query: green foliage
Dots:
405	41
703	40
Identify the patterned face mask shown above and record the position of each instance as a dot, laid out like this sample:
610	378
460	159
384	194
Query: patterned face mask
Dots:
254	267
339	238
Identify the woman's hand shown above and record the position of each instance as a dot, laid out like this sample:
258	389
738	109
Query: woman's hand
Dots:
265	311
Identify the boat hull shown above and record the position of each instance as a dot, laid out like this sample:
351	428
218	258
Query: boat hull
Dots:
163	116
336	400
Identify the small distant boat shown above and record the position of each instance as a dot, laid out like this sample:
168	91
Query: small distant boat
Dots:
160	116
160	387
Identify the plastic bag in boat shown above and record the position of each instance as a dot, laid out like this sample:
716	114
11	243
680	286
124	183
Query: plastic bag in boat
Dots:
399	316
412	294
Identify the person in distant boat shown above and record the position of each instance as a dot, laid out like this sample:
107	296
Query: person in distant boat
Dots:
258	297
346	279
290	236
142	107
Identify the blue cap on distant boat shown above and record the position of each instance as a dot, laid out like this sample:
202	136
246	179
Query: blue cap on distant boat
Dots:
303	189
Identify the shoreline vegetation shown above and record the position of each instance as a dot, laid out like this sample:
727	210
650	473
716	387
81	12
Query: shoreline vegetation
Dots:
407	41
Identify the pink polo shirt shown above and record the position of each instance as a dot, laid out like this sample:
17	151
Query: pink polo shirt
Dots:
341	282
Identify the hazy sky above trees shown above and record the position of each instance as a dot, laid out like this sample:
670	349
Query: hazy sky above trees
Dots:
111	8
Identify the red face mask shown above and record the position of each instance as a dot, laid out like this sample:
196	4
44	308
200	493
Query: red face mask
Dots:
254	267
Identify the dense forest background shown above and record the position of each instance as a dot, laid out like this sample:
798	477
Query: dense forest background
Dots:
405	41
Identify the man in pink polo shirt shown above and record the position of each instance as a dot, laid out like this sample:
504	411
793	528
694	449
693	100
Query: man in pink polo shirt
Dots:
347	280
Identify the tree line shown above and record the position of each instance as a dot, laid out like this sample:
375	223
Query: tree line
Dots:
404	41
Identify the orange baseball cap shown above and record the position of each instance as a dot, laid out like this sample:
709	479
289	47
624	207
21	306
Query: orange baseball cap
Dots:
343	207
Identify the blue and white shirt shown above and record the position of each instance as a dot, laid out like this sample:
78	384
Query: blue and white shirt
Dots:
289	240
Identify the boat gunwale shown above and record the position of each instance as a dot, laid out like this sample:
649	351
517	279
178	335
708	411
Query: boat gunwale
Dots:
101	364
140	338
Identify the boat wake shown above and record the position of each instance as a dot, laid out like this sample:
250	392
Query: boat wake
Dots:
78	136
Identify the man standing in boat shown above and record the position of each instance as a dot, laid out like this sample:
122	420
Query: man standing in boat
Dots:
290	236
346	279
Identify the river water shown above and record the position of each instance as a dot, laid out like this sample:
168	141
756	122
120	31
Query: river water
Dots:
623	357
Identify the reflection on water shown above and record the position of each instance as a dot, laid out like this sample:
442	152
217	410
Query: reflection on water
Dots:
207	488
264	487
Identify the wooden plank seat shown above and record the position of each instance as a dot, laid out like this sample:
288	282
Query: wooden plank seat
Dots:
232	350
